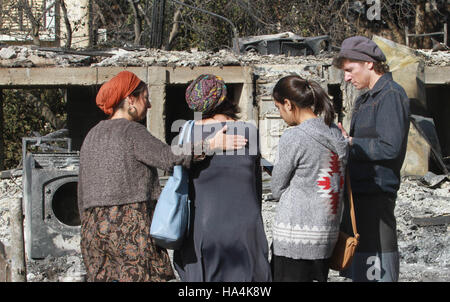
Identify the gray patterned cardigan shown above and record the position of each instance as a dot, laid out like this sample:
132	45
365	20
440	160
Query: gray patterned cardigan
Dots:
308	178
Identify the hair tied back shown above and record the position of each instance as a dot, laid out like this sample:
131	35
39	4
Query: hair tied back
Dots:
308	85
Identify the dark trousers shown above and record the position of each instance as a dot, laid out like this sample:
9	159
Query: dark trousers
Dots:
375	221
299	270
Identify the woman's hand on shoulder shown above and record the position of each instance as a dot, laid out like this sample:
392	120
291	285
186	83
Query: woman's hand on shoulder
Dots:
222	141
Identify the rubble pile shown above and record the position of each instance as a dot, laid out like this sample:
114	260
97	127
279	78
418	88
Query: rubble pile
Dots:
21	56
147	57
424	250
434	58
9	188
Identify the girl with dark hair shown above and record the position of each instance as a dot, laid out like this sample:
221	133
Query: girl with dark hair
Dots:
308	179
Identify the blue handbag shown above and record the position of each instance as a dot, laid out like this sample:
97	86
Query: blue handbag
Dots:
170	221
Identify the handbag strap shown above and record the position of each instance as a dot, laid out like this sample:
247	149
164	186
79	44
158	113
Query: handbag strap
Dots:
188	124
352	206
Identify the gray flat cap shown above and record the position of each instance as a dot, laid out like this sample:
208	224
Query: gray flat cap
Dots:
362	49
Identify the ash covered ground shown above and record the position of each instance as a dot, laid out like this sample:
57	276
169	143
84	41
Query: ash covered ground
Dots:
424	250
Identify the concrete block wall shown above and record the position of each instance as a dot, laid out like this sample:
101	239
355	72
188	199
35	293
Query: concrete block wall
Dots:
271	126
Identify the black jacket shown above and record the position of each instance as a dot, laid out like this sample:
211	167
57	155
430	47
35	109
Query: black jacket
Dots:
379	127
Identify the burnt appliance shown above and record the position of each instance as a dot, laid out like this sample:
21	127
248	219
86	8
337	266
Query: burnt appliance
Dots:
287	44
50	179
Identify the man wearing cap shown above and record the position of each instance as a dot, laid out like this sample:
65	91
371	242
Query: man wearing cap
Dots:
378	138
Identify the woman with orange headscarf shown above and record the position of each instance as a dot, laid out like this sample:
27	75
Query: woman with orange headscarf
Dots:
118	185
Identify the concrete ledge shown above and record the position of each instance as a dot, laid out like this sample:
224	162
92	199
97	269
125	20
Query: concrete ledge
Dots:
437	75
106	73
48	76
230	74
86	76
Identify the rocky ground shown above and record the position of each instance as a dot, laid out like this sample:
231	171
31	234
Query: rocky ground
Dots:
425	250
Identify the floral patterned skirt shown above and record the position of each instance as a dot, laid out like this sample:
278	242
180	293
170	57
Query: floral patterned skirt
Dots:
116	245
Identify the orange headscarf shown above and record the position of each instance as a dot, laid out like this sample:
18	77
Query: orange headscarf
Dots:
115	90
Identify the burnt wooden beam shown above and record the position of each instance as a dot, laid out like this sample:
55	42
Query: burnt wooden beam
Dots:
75	52
431	221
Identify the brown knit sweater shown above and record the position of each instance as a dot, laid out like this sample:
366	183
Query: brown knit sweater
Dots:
118	161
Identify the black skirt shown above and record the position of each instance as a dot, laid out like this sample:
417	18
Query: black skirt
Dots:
286	269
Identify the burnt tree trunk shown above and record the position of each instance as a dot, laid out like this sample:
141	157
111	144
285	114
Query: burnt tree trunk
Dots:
67	23
175	28
137	23
419	24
